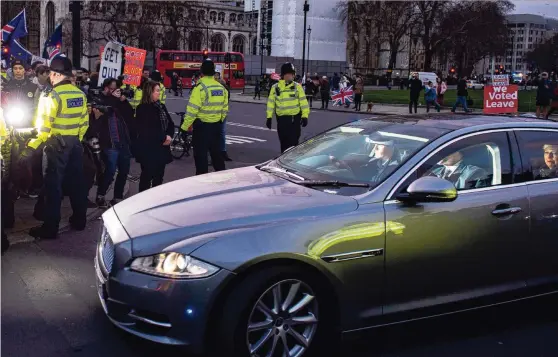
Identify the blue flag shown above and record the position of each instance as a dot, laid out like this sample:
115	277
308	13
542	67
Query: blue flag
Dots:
53	44
18	52
16	28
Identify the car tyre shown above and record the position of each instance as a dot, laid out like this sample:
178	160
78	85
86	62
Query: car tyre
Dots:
241	307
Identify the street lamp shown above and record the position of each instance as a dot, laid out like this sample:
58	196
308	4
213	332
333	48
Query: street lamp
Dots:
306	8
262	46
308	65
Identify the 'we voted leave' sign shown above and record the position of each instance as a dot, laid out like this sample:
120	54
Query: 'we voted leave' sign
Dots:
501	99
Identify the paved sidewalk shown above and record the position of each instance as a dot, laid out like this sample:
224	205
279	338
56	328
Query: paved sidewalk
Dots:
384	109
24	219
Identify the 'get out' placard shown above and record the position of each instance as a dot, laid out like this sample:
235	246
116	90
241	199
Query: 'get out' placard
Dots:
500	99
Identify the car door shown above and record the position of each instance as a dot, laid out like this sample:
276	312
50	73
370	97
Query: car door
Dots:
466	249
539	151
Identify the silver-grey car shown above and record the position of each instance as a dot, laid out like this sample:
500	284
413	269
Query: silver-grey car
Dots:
368	224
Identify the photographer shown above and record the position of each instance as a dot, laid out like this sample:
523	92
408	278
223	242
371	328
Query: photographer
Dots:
113	118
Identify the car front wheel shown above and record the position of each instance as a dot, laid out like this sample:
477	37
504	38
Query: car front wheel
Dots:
279	311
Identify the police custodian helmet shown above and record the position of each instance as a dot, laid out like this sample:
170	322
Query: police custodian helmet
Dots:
287	67
208	68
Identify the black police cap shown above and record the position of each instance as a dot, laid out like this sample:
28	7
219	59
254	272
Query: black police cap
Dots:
18	63
61	65
208	68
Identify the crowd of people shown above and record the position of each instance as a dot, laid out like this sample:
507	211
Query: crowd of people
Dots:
79	135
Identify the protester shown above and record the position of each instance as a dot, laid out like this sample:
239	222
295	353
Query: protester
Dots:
415	85
430	97
324	92
441	89
554	105
544	95
155	131
461	95
359	91
258	89
309	90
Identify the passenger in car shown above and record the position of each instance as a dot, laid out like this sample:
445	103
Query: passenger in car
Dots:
551	162
454	169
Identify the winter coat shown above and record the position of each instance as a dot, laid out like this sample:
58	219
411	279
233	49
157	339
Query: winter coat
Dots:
151	135
430	94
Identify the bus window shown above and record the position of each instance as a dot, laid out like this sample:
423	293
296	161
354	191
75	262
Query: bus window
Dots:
236	58
166	56
238	74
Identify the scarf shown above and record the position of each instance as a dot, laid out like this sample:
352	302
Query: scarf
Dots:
162	115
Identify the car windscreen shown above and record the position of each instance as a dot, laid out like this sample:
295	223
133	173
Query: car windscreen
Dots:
361	151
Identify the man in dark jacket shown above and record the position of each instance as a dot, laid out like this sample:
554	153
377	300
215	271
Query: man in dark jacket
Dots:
309	90
461	95
335	81
324	92
415	85
112	125
20	91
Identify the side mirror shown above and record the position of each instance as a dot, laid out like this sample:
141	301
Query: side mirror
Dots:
429	189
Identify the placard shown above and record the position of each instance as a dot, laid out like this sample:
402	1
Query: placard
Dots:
500	80
111	62
133	66
501	99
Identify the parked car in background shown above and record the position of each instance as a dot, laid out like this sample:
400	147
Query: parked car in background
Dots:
368	224
472	84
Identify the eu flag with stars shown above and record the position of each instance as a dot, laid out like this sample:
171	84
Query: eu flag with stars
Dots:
53	44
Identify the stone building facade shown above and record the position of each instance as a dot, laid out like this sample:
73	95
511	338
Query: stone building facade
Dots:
212	24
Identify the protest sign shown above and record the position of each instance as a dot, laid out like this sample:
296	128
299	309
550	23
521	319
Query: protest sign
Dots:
133	66
500	80
111	62
501	99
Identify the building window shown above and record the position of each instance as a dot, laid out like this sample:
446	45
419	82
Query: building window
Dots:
192	14
213	16
221	17
232	18
240	19
218	43
50	18
530	39
255	46
238	44
195	41
201	15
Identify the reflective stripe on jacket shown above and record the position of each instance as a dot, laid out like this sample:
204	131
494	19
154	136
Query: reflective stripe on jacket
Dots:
208	103
62	112
290	101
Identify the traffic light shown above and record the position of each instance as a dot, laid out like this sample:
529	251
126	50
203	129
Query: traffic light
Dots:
5	52
452	70
205	54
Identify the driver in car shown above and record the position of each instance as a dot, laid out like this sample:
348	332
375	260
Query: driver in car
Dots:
385	159
463	176
551	162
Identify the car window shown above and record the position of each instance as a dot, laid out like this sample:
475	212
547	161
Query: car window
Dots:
474	162
362	151
539	150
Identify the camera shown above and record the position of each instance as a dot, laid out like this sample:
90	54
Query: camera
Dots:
94	145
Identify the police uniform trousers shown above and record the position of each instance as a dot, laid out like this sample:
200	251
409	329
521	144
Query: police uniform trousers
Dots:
207	137
61	163
288	129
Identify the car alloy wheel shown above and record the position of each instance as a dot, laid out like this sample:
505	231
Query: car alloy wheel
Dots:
283	321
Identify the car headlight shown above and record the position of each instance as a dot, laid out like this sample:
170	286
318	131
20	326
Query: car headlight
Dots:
173	265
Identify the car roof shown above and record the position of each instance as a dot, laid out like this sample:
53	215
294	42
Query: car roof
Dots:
453	122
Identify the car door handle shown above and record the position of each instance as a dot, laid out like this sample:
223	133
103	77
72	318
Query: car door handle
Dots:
506	211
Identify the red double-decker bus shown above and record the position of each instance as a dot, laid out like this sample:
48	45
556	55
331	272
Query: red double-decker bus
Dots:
187	63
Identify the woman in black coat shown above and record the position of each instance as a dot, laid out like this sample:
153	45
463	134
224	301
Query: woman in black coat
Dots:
155	132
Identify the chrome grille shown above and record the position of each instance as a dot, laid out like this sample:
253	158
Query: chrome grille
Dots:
106	251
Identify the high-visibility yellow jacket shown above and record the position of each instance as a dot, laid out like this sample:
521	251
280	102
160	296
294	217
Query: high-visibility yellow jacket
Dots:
136	100
163	97
62	112
209	103
3	130
287	99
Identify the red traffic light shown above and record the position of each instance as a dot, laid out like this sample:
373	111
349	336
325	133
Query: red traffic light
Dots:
452	70
5	50
58	46
205	53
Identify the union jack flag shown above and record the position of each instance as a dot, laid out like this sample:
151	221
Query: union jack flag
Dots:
343	96
16	28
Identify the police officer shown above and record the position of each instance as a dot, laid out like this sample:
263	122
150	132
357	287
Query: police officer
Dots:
288	101
207	108
62	122
156	76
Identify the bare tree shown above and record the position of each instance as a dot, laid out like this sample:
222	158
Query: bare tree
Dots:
429	16
477	29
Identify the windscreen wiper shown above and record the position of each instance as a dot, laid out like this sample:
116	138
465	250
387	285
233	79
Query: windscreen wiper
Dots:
278	170
332	183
